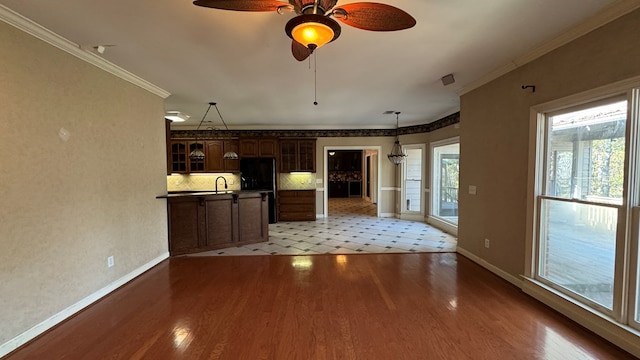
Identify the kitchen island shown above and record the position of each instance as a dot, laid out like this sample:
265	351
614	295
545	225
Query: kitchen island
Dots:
203	221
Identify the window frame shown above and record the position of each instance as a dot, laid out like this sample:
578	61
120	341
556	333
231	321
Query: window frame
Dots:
627	268
435	180
411	214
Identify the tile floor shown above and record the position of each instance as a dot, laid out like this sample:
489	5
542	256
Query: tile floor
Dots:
351	228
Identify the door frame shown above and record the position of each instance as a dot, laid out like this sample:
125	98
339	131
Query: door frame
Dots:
375	172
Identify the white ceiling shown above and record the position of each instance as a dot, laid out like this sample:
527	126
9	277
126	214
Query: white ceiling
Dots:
243	61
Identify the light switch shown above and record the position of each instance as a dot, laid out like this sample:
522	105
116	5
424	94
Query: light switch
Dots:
472	189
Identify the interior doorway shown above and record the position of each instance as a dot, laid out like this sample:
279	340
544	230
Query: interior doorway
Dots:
351	180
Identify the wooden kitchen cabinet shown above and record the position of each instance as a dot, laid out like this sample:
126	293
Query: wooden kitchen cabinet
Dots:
296	205
178	157
179	160
185	226
214	156
214	150
258	148
231	165
297	155
206	222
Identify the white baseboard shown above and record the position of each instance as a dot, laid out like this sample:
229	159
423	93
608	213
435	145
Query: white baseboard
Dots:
412	217
503	274
442	225
40	328
387	215
319	216
623	336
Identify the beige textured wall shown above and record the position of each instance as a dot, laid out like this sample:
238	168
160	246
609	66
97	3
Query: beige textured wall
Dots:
494	134
67	205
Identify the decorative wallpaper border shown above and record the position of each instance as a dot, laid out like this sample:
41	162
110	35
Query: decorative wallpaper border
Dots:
416	129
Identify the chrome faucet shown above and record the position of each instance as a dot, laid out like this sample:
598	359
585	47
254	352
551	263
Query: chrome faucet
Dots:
225	182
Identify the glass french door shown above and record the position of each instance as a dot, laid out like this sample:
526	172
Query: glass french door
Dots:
412	175
445	180
587	191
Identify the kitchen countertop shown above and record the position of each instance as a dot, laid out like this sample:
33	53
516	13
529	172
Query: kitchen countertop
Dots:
210	193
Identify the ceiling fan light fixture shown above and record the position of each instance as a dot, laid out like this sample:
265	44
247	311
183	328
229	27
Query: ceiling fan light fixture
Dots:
312	30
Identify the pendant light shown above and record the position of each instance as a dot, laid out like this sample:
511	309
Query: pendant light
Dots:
397	154
198	154
229	155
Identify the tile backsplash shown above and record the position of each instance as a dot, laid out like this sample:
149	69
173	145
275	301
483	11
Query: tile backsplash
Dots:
297	181
206	182
201	182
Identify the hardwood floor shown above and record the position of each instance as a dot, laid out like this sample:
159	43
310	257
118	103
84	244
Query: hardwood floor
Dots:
364	306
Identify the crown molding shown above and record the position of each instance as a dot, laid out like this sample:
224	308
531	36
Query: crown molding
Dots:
30	27
612	12
449	120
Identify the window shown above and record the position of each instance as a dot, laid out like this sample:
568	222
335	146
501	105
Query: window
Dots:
444	180
582	198
586	195
412	175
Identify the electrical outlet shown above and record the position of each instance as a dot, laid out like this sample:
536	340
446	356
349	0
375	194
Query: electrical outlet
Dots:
487	243
110	261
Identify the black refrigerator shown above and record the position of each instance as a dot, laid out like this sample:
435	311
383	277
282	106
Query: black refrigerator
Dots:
260	174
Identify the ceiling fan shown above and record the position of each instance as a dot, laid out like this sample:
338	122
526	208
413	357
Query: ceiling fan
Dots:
313	26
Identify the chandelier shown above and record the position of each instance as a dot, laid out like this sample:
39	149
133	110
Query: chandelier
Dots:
397	154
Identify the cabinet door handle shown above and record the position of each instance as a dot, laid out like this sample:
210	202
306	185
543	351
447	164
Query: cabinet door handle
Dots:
201	200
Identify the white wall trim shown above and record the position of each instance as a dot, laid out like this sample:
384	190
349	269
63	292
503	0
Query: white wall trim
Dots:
442	225
390	188
503	274
325	159
45	325
18	21
621	335
616	10
387	215
412	217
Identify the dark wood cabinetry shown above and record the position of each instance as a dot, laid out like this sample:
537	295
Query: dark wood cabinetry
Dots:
214	156
297	155
258	148
180	161
178	156
214	150
338	189
296	205
345	160
201	223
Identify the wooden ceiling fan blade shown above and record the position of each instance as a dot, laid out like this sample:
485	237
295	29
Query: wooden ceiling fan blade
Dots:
299	51
242	5
374	16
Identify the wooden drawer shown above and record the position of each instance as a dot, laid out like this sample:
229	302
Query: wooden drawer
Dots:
296	205
297	217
